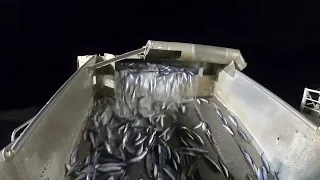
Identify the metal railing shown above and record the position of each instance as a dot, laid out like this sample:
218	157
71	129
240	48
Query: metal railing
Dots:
310	103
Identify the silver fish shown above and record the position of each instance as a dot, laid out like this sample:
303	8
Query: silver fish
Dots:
174	164
85	135
254	168
233	120
265	162
189	135
198	101
125	138
243	135
141	140
214	166
87	161
138	158
126	127
194	150
152	137
162	121
140	150
109	169
149	164
229	129
74	156
198	125
164	133
265	174
168	173
155	171
249	177
219	113
224	121
183	142
224	169
138	136
168	136
183	109
197	138
108	147
106	165
121	128
260	174
246	156
163	106
176	156
168	152
91	135
203	100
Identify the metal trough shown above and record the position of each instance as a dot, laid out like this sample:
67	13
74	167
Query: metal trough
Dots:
284	136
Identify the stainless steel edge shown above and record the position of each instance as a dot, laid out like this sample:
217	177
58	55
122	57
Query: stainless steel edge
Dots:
287	138
117	58
45	145
200	53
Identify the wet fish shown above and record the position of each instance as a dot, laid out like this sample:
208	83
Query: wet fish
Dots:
148	164
108	147
198	125
219	113
167	170
249	177
262	173
224	121
203	100
224	169
255	169
155	171
183	142
140	141
138	136
151	138
168	152
265	162
140	149
121	129
176	156
126	137
213	165
228	128
198	101
197	138
74	156
233	120
194	150
189	135
246	156
106	165
85	135
139	158
164	133
243	135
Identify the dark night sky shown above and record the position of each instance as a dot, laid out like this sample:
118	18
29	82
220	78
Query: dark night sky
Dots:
39	40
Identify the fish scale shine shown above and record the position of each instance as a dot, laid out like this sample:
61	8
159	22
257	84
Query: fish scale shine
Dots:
147	138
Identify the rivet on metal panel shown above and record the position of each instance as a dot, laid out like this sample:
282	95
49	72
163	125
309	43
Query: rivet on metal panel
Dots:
7	154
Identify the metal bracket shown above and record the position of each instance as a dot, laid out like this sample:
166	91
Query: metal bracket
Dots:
183	52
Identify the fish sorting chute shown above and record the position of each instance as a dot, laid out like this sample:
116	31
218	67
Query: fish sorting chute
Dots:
164	111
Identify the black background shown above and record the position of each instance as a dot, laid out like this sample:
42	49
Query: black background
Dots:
40	40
